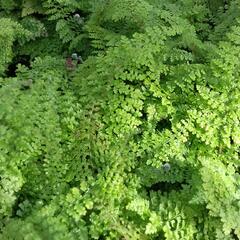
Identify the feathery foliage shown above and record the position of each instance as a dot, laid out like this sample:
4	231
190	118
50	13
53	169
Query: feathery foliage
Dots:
120	120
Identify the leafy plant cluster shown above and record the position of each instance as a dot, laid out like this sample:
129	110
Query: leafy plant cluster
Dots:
119	119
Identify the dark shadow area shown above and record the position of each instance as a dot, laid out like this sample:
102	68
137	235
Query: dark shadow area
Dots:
234	236
144	116
22	196
165	187
122	27
131	83
39	16
163	124
22	59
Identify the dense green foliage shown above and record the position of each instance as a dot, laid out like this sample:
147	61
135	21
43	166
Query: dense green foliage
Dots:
139	138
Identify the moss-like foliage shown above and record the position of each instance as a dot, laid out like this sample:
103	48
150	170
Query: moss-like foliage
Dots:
119	120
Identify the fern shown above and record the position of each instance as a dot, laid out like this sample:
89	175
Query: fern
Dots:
11	31
140	140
